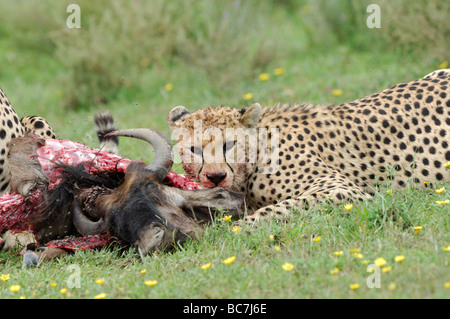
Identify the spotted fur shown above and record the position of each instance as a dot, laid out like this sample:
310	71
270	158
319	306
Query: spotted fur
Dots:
340	152
38	126
11	127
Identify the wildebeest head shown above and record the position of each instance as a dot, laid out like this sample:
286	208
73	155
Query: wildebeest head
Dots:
145	212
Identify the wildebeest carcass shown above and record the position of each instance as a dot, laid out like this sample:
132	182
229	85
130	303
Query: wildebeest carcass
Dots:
133	202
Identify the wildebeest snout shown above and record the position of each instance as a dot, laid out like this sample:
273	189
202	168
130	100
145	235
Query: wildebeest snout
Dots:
156	237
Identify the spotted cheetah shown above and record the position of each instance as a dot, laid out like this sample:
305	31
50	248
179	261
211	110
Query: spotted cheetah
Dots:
339	152
11	127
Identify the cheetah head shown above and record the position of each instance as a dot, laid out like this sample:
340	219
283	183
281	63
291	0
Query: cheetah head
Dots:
215	143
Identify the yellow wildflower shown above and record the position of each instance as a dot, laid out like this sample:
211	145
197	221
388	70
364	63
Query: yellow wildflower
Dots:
358	256
380	262
392	286
338	253
354	286
143	271
447	249
399	258
271	237
365	261
348	207
227	218
63	291
264	76
150	283
440	190
443	65
4	277
337	92
14	288
278	71
229	260
100	281
418	227
144	62
386	269
426	182
446	164
354	250
317	239
447	284
247	96
206	266
287	266
53	284
334	271
100	296
277	248
168	87
236	229
443	202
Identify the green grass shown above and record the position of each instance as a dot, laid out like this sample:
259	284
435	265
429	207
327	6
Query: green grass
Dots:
36	64
382	227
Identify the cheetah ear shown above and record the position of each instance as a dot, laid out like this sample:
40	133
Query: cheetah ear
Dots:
250	115
176	116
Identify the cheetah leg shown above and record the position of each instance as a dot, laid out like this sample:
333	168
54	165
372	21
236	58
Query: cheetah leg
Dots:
334	190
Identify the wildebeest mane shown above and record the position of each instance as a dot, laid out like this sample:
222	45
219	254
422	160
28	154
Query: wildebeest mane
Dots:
55	219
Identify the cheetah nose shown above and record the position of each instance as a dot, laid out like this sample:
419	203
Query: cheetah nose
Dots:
216	178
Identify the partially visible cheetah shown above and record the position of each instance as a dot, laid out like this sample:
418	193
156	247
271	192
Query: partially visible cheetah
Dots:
11	127
38	126
338	152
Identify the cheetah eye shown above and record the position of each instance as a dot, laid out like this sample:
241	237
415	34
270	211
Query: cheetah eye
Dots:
196	150
228	146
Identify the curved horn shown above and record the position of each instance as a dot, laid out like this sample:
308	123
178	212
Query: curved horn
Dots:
84	225
162	164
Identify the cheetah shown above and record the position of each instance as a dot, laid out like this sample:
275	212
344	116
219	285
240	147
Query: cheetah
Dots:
12	127
338	152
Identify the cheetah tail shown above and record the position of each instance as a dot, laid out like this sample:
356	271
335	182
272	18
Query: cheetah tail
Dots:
104	124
